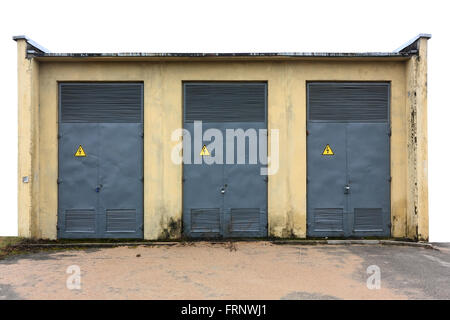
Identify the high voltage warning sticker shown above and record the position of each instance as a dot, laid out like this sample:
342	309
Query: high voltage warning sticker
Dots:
327	151
204	151
80	152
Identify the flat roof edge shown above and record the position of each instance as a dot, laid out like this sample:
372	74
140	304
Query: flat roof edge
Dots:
405	50
227	55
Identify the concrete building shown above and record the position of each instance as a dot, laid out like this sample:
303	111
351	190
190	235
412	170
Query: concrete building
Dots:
173	145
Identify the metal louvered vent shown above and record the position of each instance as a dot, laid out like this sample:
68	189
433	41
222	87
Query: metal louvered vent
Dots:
352	102
328	219
205	220
225	102
121	220
243	219
101	102
368	219
80	220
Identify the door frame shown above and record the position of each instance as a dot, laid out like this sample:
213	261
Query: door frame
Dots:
389	124
59	115
266	125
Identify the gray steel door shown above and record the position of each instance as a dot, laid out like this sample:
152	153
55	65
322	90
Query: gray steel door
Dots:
348	159
100	192
227	199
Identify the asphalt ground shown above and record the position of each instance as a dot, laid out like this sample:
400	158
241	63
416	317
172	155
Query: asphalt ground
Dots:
230	270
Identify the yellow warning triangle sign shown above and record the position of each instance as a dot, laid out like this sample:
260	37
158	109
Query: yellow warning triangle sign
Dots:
204	151
80	152
327	151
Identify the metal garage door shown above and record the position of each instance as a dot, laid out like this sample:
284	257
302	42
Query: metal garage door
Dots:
348	159
100	160
227	199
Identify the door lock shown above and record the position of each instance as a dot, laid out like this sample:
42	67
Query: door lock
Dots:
222	190
97	189
347	189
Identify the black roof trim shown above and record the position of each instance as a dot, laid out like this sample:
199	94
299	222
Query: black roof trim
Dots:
209	55
406	50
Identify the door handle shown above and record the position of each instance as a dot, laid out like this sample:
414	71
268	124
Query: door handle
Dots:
97	189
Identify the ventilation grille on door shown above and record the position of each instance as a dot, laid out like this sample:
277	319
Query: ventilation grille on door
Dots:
107	102
368	219
121	220
348	101
225	102
205	220
80	220
245	220
328	219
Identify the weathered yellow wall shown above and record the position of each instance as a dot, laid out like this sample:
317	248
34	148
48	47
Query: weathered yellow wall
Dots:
422	142
417	143
28	105
163	114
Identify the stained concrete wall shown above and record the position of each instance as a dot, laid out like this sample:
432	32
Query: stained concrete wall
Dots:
163	114
417	142
28	158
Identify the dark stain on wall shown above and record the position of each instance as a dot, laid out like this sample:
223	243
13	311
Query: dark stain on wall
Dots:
171	229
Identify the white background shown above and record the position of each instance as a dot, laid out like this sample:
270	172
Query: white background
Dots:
229	26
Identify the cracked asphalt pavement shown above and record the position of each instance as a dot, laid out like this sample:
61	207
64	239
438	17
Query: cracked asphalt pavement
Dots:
238	270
